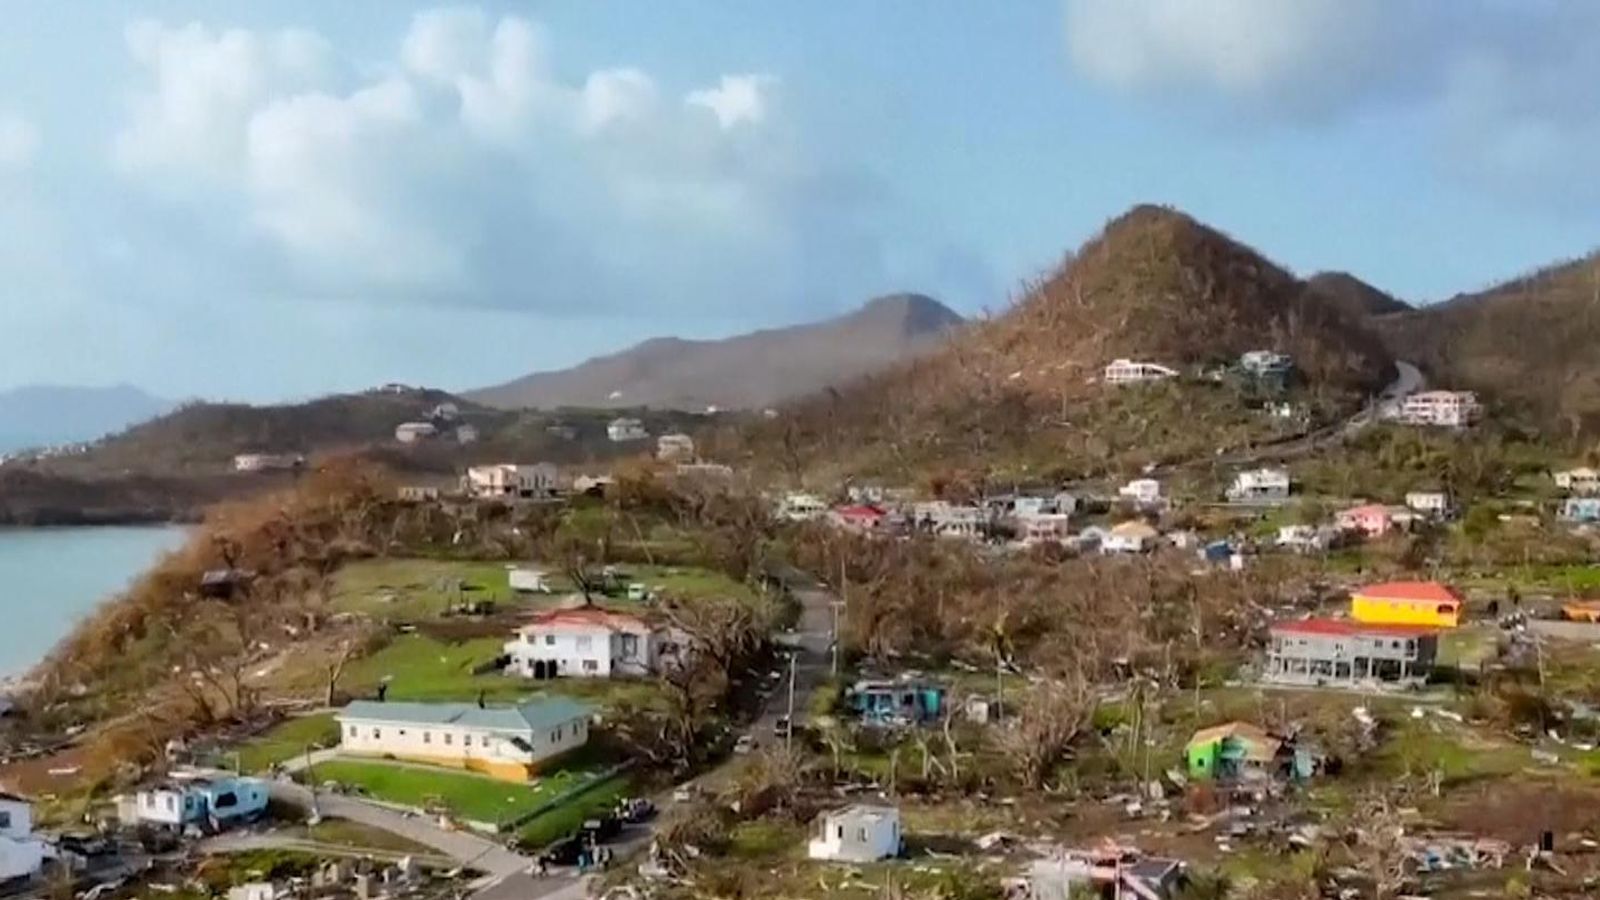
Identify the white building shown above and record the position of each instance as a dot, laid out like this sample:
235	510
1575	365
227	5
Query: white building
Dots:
624	429
1130	537
1044	528
507	480
21	854
586	642
801	507
445	412
204	799
950	520
857	834
414	432
1445	409
1126	371
509	743
1582	480
1260	485
1429	503
677	448
466	433
419	493
1266	362
267	462
706	472
1143	491
528	580
1305	538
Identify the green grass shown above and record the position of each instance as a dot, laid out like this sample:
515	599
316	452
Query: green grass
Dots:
342	833
688	582
417	667
470	796
1468	646
286	739
410	589
567	818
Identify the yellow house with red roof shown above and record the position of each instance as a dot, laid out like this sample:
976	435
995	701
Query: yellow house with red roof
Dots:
1407	603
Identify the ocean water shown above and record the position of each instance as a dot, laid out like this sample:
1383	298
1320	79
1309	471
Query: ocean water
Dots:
51	577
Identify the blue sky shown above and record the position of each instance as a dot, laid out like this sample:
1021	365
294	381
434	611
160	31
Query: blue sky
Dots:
263	201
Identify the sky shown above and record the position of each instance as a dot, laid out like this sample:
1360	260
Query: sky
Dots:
257	201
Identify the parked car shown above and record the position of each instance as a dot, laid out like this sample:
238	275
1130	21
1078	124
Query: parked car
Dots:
566	851
634	810
745	744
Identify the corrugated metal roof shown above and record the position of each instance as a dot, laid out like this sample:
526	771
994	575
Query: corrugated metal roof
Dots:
534	714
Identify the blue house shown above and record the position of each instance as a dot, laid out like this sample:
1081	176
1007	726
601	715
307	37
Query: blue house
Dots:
899	701
211	801
1581	509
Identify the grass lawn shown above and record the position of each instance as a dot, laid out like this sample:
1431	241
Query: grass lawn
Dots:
342	833
1468	646
563	820
285	739
418	667
470	796
411	589
687	582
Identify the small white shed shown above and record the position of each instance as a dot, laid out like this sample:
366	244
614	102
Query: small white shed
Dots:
858	834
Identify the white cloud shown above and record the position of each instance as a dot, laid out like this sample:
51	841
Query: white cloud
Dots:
19	141
737	100
1505	87
463	170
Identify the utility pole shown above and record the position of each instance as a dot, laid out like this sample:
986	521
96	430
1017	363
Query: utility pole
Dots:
788	731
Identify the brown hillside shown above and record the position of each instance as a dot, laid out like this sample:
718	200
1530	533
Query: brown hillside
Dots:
1528	345
1021	389
1352	296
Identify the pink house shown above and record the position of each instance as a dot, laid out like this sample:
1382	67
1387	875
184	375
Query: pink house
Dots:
1372	520
861	517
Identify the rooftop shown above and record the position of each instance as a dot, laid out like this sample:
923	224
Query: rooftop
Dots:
534	714
593	616
1346	627
1411	591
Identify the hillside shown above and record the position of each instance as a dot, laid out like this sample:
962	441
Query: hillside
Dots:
43	415
748	371
186	456
1352	296
1527	345
1020	392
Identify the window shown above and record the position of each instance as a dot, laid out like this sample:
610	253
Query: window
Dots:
585	642
839	832
172	803
549	640
466	740
447	737
861	835
590	665
5	819
226	800
352	731
555	736
376	734
427	737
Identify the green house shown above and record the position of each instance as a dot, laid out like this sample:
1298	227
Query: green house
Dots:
1230	751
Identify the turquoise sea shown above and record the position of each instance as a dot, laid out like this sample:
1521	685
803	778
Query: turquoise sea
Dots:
51	577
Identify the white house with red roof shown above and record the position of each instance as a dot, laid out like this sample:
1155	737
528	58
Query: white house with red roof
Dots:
1345	652
1374	519
858	517
587	642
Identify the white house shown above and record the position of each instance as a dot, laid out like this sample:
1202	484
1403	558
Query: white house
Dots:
801	507
206	799
1044	528
1430	503
951	520
1445	409
528	580
466	434
1130	537
1127	371
509	743
586	642
267	462
21	854
1582	480
857	834
1266	363
1260	485
675	448
507	480
1305	538
414	432
625	429
1143	491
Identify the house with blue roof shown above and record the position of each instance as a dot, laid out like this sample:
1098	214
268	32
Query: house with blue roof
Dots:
511	743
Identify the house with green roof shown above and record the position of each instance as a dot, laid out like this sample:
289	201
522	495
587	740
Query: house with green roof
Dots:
511	743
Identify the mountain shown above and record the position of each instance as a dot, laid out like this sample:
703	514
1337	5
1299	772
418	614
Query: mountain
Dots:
749	371
45	415
1020	393
1353	296
1528	345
